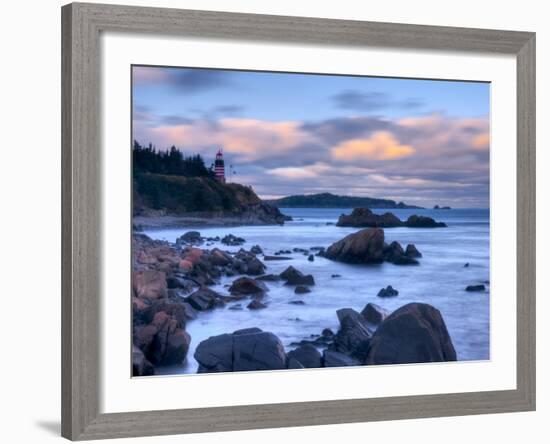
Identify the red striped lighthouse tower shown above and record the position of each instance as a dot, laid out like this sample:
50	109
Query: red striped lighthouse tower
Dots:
219	167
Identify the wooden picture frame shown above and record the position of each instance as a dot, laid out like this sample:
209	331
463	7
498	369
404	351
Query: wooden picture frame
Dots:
81	247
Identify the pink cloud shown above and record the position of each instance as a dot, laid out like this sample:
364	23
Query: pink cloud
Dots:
249	139
381	145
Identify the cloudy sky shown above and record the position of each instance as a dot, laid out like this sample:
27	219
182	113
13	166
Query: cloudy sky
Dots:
420	141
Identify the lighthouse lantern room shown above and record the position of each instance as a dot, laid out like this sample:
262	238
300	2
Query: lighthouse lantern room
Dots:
219	167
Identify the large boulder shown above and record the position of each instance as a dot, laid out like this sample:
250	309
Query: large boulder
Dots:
248	286
354	334
307	355
414	333
415	221
215	354
244	350
258	351
363	247
363	217
149	284
162	341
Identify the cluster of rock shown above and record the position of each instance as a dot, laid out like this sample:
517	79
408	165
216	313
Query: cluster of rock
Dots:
368	247
169	287
364	217
159	319
415	333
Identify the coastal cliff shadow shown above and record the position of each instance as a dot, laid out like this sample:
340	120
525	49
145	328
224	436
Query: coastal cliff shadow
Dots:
53	427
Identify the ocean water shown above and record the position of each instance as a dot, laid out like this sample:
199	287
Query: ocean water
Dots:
440	279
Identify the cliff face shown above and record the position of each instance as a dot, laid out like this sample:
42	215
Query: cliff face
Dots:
177	194
156	194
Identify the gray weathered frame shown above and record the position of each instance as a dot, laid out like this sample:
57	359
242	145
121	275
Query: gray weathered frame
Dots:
81	166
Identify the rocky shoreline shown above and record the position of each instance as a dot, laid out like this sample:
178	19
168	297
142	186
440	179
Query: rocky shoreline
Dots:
254	214
171	287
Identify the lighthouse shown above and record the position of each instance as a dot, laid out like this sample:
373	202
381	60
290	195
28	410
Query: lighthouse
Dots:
219	167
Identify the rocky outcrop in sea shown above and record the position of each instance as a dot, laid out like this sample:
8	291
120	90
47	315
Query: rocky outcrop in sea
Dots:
364	217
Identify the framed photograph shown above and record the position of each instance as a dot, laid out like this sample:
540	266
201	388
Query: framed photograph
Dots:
278	221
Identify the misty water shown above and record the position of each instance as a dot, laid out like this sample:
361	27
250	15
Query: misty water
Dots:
440	280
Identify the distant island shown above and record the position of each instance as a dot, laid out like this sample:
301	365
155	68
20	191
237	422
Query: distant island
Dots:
329	200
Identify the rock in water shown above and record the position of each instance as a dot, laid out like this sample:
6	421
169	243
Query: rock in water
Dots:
256	305
415	221
300	289
215	354
412	251
479	287
255	267
296	277
307	355
395	254
387	292
363	217
247	286
363	247
353	335
190	238
374	314
232	240
205	299
256	249
414	333
244	350
258	351
290	273
269	277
